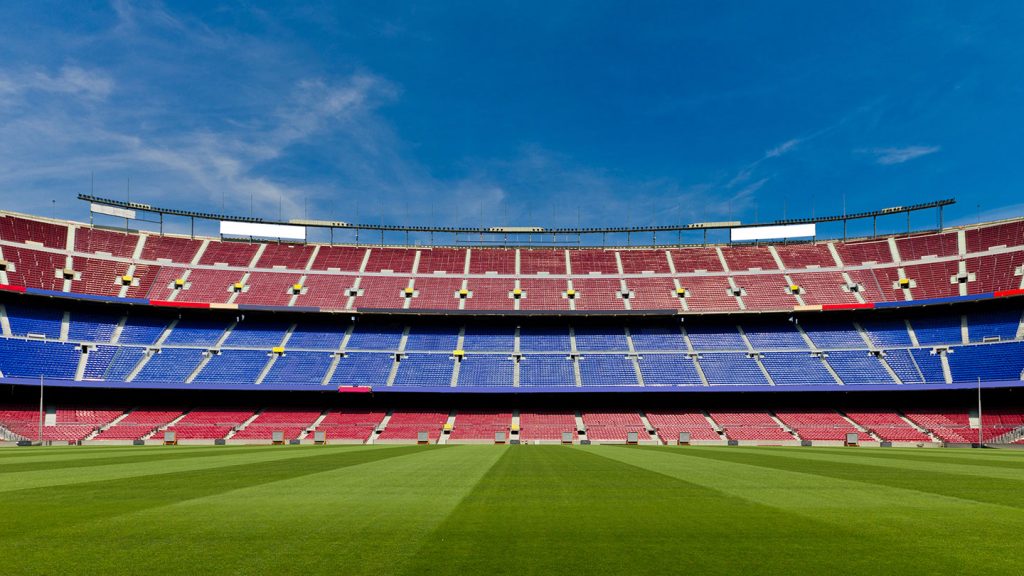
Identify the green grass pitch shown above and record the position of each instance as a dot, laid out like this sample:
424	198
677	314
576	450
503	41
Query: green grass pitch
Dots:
510	510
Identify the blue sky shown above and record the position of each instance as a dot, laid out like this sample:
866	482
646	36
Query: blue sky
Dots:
524	113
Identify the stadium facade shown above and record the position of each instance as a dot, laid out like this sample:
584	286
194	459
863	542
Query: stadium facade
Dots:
134	333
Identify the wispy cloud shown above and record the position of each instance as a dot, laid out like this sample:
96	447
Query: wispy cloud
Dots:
890	156
73	80
783	148
744	174
200	165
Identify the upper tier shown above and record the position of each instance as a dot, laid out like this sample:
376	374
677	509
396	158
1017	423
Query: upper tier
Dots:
79	259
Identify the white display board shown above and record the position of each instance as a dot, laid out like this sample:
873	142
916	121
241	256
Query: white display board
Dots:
112	211
258	230
772	232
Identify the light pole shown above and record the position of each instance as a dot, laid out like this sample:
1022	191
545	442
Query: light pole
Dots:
40	409
980	426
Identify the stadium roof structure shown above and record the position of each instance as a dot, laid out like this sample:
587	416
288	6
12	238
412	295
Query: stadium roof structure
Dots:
503	235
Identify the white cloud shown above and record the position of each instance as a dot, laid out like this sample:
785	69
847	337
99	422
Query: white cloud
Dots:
890	156
47	144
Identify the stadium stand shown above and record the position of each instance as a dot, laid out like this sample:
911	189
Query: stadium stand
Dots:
888	426
138	424
930	262
75	423
669	370
669	424
299	368
406	425
208	423
318	319
546	370
815	351
350	425
480	426
67	424
646	262
293	423
947	425
750	425
229	253
487	370
614	426
544	426
819	425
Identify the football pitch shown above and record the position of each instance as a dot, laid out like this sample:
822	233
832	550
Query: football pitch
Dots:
510	510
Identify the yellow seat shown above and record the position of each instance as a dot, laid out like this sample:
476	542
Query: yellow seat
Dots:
277	349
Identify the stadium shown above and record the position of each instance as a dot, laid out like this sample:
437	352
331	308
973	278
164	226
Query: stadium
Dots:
544	288
131	338
116	337
428	333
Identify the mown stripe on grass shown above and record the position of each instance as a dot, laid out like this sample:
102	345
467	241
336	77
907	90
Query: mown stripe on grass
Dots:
557	510
964	464
363	518
1000	459
944	534
62	507
47	453
1002	491
125	456
226	456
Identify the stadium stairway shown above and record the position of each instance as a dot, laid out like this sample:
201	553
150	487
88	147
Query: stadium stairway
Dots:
784	426
711	421
8	436
1011	437
515	424
860	428
130	377
5	321
650	429
242	426
160	429
380	427
918	427
306	433
581	428
83	359
113	422
449	425
947	373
